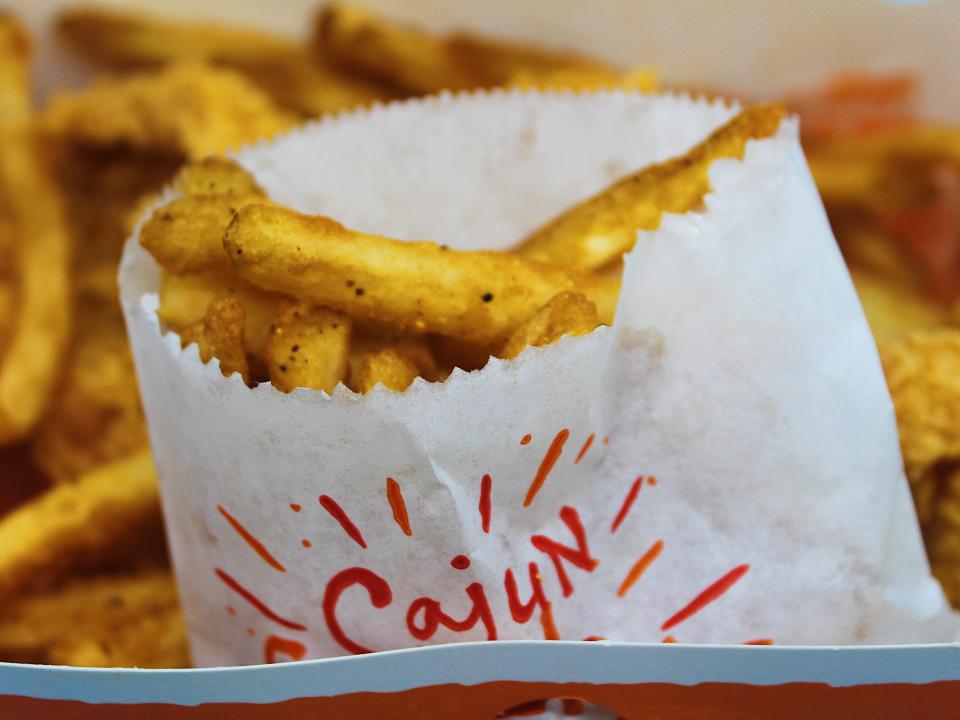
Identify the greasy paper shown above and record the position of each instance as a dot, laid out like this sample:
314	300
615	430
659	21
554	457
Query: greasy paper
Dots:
720	466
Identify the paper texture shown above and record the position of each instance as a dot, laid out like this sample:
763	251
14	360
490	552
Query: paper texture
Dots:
738	400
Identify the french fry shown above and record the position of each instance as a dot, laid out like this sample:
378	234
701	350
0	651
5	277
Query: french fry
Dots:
187	109
37	246
220	335
186	235
418	62
567	313
127	621
643	80
478	296
216	175
278	66
453	352
417	351
308	347
184	299
372	337
601	229
95	416
386	367
78	525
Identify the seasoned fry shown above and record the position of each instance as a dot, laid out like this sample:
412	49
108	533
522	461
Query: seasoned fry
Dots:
34	241
453	352
298	80
308	347
387	367
278	66
186	235
184	299
96	415
923	373
641	80
478	296
371	337
567	313
601	229
130	621
78	525
416	61
216	176
187	109
220	335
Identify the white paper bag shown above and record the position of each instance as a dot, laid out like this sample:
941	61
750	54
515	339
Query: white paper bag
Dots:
721	466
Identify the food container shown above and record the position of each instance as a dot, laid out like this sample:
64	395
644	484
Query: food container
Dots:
751	46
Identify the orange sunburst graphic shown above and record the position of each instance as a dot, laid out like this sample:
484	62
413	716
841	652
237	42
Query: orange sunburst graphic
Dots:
426	615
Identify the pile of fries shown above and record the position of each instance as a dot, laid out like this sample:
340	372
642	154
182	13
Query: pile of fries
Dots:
300	301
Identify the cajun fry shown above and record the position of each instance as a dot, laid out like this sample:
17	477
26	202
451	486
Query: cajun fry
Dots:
129	621
416	61
184	299
641	80
216	175
308	347
601	229
96	415
76	525
387	367
371	337
567	313
220	335
186	235
479	296
453	352
278	66
35	243
189	109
